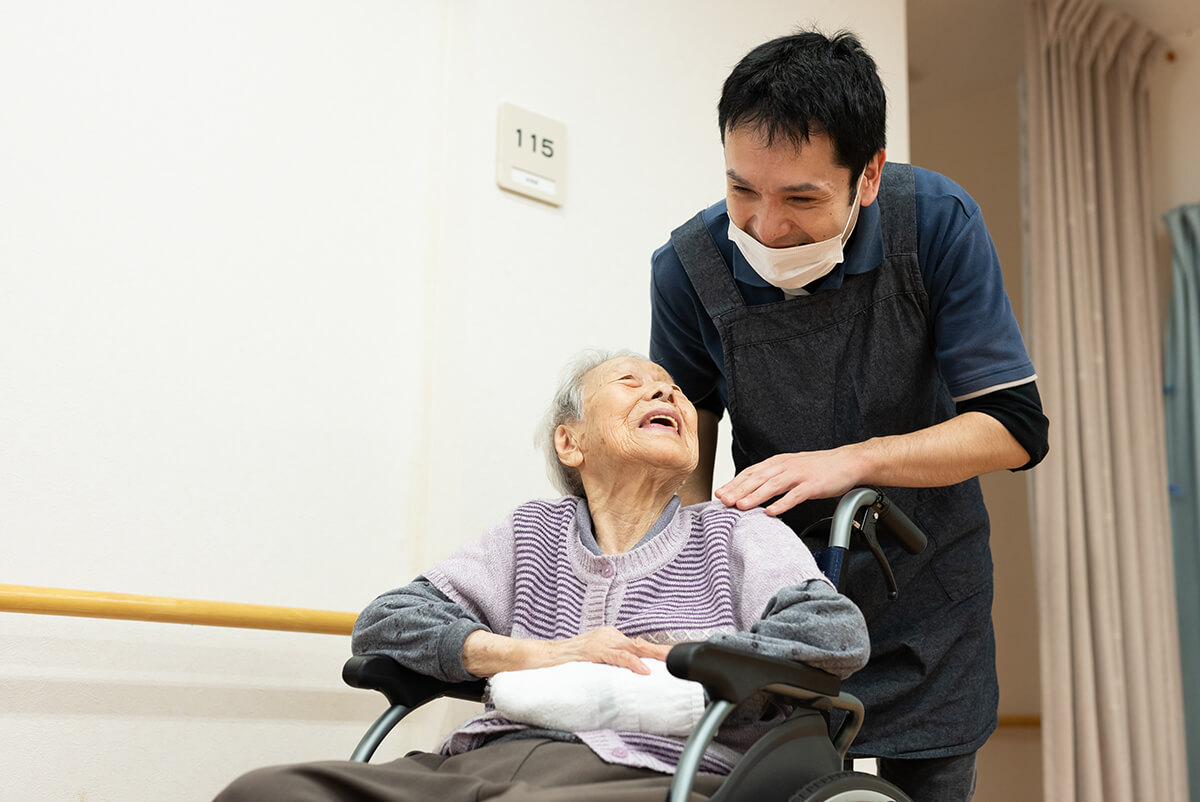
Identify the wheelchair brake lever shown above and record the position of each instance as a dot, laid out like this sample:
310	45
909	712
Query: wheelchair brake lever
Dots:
867	529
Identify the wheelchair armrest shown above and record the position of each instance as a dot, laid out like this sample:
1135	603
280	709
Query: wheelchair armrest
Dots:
403	686
735	676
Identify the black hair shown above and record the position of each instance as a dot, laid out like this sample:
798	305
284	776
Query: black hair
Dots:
806	83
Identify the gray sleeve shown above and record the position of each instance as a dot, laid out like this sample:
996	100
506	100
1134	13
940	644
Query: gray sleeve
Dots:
419	627
810	623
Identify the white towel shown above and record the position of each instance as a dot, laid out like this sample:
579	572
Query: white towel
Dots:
579	697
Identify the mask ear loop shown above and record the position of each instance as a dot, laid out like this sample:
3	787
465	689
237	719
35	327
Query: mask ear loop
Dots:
854	207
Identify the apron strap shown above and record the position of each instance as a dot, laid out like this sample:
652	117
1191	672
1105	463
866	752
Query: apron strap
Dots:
706	267
898	209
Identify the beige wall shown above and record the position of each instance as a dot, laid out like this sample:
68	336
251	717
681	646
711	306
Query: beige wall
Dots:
1175	121
975	139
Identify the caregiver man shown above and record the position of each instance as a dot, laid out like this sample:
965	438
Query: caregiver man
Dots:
851	316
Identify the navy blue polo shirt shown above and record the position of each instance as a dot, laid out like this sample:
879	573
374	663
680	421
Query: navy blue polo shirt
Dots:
978	345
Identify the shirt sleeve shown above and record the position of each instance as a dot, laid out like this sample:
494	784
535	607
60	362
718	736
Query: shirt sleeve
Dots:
809	623
419	627
978	343
424	624
1019	409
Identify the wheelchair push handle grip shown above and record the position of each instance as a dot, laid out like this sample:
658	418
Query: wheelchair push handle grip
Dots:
877	511
894	519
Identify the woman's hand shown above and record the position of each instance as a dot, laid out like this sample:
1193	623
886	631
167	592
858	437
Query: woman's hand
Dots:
607	645
486	654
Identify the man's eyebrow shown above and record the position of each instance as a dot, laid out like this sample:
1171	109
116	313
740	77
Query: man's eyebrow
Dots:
806	187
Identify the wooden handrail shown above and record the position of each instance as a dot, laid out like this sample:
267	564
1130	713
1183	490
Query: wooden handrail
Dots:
126	606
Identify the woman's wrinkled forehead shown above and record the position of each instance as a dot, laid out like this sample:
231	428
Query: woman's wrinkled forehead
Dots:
622	366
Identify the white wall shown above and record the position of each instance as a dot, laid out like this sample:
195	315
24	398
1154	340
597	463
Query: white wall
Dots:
520	286
270	333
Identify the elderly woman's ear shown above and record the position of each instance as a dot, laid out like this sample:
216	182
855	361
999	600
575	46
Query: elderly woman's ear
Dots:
566	443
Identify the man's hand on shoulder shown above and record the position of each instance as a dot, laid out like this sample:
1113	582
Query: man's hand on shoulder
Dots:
946	453
796	477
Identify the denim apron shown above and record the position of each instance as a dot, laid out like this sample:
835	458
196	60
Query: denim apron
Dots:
819	371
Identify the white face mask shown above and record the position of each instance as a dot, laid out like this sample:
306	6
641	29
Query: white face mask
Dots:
790	269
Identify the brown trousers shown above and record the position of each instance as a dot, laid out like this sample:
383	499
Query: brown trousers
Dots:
525	770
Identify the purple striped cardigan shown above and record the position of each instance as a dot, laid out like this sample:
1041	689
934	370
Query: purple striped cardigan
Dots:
711	571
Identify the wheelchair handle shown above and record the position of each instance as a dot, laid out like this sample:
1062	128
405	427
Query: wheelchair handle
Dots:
880	512
886	514
893	519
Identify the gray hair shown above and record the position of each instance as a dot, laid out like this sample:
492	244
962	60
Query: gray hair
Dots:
567	407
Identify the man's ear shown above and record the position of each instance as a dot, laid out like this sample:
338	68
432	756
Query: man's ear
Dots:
566	443
872	175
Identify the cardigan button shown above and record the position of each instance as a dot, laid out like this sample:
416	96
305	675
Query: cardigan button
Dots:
620	752
608	571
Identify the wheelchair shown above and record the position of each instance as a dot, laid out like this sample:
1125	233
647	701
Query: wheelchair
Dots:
796	761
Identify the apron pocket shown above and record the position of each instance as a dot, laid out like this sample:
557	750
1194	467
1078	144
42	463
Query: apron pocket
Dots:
956	523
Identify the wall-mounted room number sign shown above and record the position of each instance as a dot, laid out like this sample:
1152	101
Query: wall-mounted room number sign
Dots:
531	154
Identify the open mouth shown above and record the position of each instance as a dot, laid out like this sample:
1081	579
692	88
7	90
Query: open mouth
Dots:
666	419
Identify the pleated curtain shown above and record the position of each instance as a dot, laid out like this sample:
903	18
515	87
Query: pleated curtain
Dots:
1112	722
1182	404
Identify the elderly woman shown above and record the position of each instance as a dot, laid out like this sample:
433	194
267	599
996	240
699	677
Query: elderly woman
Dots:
589	591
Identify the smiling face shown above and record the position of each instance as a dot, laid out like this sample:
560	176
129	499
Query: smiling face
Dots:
635	421
784	196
